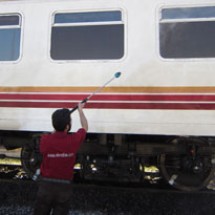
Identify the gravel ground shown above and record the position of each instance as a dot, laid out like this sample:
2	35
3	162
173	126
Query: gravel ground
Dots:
17	198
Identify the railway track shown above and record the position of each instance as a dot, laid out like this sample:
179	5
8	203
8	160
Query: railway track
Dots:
18	196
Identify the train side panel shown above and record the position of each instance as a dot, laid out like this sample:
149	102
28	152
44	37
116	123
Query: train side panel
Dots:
155	94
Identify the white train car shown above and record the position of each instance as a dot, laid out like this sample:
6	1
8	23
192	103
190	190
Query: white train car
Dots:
54	53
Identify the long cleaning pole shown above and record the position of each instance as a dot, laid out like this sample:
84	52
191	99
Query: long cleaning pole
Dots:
116	75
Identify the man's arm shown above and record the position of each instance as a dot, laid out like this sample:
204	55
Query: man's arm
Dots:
83	119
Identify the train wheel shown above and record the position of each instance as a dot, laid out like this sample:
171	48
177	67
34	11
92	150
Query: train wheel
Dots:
31	158
192	168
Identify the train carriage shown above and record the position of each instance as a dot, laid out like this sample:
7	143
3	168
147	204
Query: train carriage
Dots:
54	53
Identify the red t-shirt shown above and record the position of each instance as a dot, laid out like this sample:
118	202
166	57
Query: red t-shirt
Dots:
59	153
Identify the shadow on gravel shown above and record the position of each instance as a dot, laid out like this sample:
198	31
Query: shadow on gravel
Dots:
17	198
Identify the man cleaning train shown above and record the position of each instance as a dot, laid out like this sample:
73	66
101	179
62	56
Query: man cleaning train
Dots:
56	171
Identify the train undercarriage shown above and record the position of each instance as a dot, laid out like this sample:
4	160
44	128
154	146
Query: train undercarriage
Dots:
186	163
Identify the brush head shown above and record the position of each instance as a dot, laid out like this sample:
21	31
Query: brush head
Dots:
117	74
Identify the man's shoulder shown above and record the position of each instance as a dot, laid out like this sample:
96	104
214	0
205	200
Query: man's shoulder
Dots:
81	131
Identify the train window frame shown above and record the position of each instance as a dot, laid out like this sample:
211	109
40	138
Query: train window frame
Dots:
180	16
104	22
11	27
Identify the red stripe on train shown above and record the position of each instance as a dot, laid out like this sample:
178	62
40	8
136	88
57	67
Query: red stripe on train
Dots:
105	97
116	105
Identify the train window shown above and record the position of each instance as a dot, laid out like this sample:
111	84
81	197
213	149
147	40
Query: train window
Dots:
87	36
187	32
10	31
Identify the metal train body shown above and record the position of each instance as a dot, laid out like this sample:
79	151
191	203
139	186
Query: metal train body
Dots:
54	53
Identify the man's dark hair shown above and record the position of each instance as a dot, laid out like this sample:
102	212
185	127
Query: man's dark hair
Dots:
60	119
